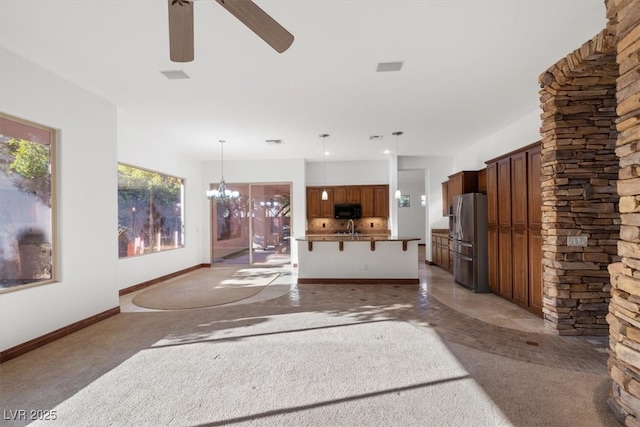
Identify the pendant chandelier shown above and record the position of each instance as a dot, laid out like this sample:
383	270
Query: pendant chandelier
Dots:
325	195
397	134
222	193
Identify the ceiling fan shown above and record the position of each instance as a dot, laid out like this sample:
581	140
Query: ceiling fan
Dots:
249	13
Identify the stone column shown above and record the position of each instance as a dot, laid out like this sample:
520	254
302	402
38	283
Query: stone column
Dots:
580	222
624	308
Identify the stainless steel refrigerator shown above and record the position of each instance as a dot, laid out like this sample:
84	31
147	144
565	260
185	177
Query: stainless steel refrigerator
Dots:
468	231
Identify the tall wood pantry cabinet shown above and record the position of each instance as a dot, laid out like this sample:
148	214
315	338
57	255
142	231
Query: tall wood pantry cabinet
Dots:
514	227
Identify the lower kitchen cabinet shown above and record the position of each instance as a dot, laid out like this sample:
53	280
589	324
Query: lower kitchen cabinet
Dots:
441	252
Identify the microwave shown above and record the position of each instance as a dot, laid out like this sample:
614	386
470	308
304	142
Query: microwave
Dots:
347	211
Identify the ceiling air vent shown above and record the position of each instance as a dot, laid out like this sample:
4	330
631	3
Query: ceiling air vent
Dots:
389	66
175	75
274	141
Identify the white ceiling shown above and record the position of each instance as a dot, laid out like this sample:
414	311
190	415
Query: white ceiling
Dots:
470	69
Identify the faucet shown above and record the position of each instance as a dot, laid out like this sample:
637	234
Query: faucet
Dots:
351	227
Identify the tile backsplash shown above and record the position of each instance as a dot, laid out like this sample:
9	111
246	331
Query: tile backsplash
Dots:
373	225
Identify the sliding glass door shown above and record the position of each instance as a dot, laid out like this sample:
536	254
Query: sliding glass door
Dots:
252	227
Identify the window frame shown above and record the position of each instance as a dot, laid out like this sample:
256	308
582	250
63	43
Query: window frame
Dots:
51	136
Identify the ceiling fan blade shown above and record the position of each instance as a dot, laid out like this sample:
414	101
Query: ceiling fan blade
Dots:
181	30
259	22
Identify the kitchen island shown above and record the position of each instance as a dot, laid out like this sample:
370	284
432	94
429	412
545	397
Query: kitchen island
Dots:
358	258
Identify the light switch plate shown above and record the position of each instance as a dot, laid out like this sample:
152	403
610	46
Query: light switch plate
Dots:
577	241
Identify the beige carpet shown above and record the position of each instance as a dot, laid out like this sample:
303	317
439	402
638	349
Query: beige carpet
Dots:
206	287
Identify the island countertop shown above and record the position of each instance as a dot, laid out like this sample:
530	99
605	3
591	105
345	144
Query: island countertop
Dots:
357	258
354	238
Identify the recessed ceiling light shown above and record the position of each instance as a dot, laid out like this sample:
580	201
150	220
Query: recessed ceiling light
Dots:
175	75
274	141
389	66
387	151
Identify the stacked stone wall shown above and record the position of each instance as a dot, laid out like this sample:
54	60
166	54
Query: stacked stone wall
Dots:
624	307
579	199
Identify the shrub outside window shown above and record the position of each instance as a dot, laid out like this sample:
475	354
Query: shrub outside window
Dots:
27	211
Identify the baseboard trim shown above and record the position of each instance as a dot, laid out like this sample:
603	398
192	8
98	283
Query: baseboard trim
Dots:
161	279
361	281
28	346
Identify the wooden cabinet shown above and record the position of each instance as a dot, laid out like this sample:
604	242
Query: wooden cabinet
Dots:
339	195
326	206
458	183
316	207
493	259
534	192
504	193
505	288
381	201
534	217
492	195
519	267
514	226
535	272
445	198
367	199
519	190
347	194
313	202
482	181
373	198
440	251
492	227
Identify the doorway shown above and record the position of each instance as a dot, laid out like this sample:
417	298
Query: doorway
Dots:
253	226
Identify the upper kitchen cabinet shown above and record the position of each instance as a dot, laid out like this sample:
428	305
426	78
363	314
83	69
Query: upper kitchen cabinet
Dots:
374	200
316	207
367	201
482	181
347	194
445	198
458	183
381	201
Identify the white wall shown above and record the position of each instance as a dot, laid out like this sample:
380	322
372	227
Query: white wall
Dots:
137	146
348	173
259	171
436	170
519	134
86	201
412	219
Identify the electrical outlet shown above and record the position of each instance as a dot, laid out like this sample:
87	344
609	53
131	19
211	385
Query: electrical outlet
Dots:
365	267
577	241
323	225
371	224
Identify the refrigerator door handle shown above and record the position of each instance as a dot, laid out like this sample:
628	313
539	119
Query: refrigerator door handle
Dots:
459	230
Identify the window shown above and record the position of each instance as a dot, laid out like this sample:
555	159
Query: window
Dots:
150	211
27	177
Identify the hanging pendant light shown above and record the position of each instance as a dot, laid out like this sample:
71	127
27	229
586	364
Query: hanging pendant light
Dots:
397	134
222	193
325	195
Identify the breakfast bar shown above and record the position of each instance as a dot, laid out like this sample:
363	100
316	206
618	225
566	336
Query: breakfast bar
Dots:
358	258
